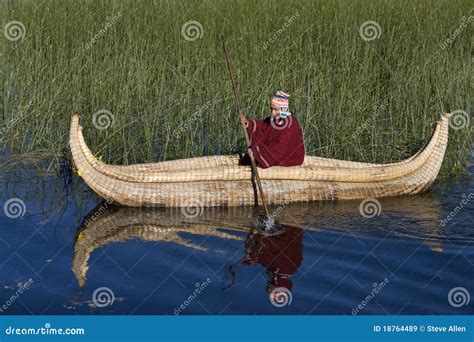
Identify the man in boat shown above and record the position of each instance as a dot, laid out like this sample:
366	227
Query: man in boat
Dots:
276	140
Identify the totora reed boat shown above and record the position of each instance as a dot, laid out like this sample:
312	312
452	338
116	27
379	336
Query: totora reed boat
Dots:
220	181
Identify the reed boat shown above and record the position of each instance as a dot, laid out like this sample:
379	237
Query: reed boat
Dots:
219	180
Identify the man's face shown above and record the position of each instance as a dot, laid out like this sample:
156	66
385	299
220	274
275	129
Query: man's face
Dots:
275	111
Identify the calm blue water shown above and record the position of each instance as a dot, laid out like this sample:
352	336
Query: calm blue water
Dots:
334	260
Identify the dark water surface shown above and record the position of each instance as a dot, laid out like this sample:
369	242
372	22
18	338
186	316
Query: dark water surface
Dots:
156	261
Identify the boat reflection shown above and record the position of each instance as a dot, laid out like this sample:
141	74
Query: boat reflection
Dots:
280	255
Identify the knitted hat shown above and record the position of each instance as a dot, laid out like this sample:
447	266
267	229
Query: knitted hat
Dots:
281	99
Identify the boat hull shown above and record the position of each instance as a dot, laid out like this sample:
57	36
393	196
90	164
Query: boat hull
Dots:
220	181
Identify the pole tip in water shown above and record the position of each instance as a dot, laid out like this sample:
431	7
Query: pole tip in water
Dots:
268	226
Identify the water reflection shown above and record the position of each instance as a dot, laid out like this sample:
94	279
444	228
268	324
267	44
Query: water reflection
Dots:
280	255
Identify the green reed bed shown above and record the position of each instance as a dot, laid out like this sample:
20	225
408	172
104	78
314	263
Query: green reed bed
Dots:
170	97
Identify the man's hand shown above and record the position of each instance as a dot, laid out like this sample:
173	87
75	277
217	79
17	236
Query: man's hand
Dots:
244	120
250	152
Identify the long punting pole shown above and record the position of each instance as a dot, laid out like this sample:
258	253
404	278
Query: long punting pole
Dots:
241	112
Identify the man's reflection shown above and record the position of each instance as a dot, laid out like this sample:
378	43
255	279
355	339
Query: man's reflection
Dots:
280	254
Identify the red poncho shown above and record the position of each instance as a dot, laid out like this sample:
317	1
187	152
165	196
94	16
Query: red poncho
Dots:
276	143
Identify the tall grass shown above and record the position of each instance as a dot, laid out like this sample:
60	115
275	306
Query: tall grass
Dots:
76	57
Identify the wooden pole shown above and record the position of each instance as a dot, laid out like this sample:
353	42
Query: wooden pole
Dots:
241	112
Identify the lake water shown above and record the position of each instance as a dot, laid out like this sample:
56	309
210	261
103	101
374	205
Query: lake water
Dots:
68	252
